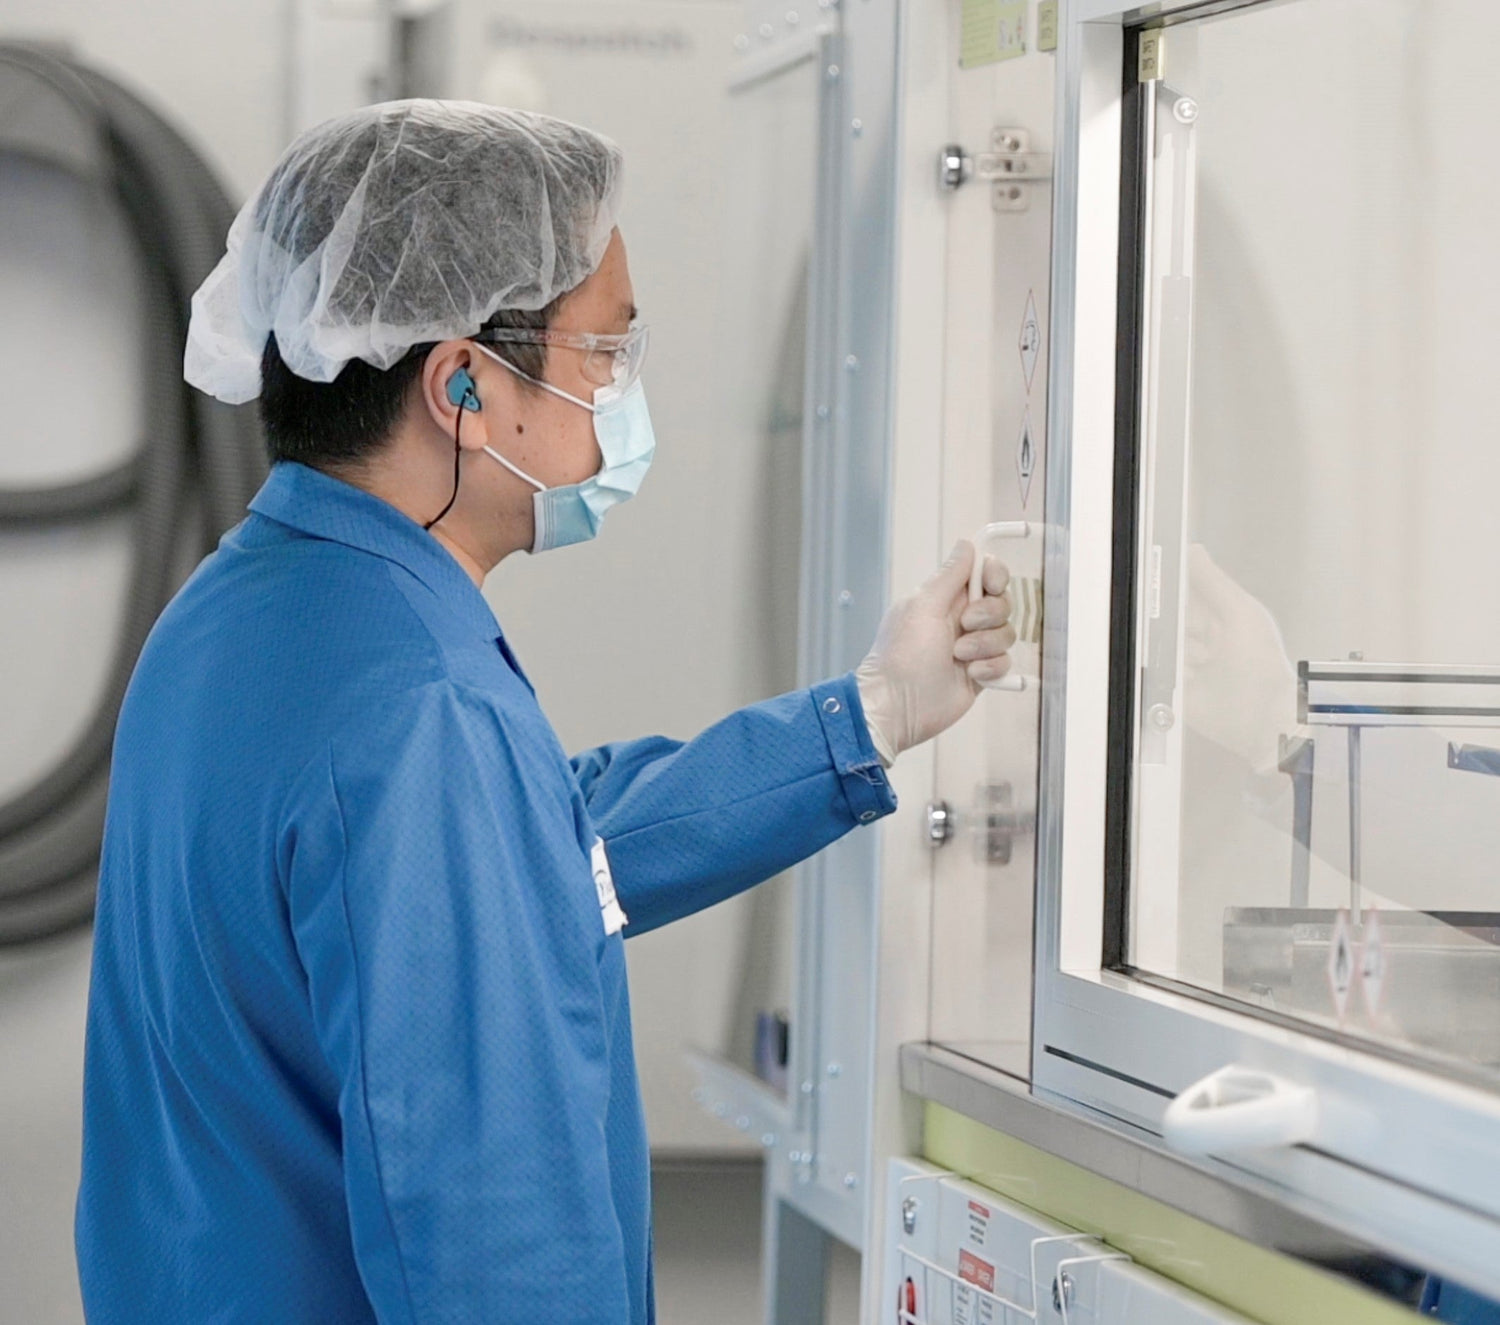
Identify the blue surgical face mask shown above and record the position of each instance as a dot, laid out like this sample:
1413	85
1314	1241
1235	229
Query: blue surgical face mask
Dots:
622	427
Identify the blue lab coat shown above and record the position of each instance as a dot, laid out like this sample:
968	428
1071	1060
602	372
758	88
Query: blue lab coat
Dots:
359	1045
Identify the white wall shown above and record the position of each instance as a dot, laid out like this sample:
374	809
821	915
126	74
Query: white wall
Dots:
217	70
70	381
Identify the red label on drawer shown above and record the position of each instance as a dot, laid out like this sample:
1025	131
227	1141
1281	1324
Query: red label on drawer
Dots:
974	1271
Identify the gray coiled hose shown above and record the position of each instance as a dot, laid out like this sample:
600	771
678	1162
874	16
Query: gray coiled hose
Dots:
199	464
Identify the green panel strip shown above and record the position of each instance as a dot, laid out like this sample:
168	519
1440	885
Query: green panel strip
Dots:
1264	1285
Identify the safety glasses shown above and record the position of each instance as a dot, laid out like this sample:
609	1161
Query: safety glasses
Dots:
608	360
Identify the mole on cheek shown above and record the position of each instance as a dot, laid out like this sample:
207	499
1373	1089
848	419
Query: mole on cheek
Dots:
519	428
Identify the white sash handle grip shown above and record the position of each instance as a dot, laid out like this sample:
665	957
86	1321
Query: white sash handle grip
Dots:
1240	1108
991	533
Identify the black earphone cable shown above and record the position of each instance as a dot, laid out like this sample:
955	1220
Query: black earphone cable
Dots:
457	456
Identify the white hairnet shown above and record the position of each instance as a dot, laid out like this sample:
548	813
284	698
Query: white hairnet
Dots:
401	223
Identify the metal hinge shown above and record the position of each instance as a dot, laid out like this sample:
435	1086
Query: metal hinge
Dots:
1009	166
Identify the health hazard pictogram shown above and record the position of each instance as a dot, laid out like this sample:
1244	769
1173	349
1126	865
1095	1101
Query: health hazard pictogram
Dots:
1025	458
1031	339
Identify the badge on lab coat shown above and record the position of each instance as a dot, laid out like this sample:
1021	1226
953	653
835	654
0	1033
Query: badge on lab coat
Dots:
604	884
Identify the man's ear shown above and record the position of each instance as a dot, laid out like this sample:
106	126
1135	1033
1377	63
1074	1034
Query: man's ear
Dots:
453	398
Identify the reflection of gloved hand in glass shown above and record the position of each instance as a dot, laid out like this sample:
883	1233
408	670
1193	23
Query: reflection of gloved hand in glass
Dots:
1239	687
933	652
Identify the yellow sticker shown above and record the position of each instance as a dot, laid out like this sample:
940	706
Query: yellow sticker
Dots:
1046	25
1153	57
992	30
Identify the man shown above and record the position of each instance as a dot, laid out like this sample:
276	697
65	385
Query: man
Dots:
359	1035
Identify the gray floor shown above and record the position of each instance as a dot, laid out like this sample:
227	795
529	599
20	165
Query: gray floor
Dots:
708	1248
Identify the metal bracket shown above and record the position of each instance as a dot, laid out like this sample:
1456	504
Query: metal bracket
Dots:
1009	165
1474	759
999	823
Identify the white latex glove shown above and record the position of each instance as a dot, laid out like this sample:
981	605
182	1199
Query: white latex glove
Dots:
933	652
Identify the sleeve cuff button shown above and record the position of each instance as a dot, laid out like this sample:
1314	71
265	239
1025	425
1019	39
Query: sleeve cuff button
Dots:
831	705
869	816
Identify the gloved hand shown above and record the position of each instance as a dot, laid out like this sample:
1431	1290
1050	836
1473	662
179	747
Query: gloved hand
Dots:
932	652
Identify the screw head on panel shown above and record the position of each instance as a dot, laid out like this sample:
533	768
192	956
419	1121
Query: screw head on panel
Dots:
909	1208
954	167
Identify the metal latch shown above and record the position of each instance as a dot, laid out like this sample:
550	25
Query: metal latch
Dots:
1009	165
994	825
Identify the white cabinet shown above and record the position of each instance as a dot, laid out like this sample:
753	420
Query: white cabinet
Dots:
957	1254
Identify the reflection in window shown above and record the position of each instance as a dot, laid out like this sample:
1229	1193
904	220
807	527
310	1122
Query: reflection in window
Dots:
1316	799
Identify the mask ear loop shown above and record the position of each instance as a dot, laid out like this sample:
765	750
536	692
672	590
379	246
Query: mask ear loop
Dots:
458	419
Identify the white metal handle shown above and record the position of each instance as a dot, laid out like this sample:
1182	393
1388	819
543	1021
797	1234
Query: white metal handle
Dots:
1240	1108
991	532
987	535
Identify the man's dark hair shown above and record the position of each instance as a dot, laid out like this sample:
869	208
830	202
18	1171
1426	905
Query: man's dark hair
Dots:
329	425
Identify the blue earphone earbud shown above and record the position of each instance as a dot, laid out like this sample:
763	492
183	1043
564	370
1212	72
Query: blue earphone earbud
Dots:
461	391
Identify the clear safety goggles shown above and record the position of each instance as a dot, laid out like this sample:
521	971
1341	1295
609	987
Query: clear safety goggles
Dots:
608	360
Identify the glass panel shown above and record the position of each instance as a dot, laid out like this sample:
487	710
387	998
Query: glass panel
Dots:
1316	806
995	349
